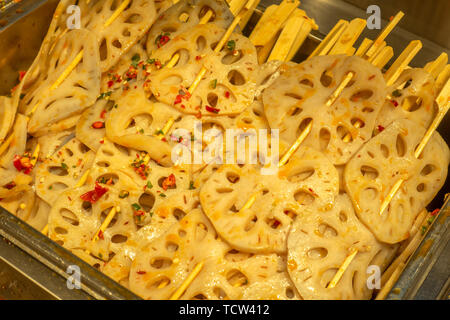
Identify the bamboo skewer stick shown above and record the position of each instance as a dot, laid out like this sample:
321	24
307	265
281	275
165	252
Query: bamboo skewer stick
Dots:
364	46
342	268
177	294
384	33
330	40
435	67
349	36
402	62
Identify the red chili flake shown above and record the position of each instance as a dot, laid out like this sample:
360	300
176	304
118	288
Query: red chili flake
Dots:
435	212
198	58
313	193
138	213
141	272
372	77
10	185
23	163
98	125
21	75
158	64
276	223
183	106
177	99
211	109
380	128
162	40
391	18
103	114
395	103
169	182
102	141
227	94
93	195
110	83
100	235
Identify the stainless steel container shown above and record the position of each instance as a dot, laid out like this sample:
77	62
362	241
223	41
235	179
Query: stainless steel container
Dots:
34	267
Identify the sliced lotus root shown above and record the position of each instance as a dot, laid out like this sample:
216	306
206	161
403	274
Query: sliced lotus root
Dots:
78	91
7	116
300	94
38	217
318	244
238	275
58	127
155	182
52	142
73	222
385	159
62	170
21	203
227	87
162	266
136	122
130	66
170	258
17	145
90	129
415	101
183	16
308	178
165	215
117	38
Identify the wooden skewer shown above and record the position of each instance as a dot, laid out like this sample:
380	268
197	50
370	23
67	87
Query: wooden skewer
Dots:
435	67
443	103
377	52
383	57
330	40
384	33
442	78
271	22
402	62
349	36
6	144
364	46
293	34
177	294
342	269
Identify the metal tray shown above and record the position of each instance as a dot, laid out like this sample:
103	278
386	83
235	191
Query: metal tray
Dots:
34	267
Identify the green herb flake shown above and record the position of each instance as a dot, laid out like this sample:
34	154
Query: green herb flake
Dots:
64	166
191	185
136	206
396	93
162	195
123	194
135	60
213	84
231	45
105	95
149	184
